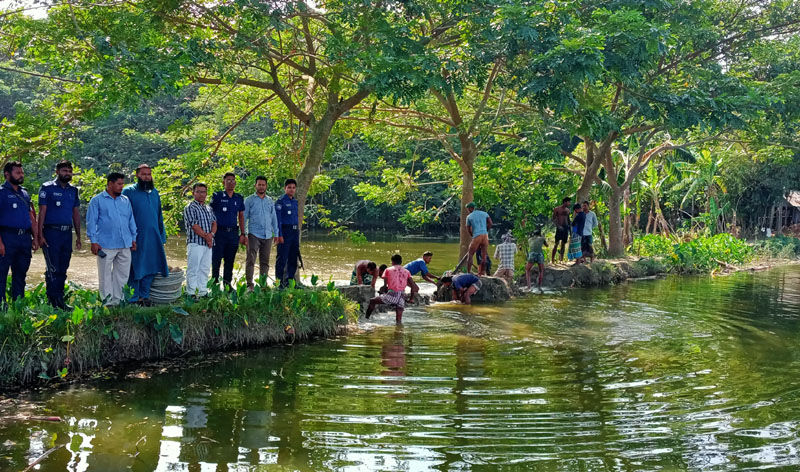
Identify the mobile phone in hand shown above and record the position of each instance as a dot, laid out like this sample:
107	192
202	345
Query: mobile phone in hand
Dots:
101	253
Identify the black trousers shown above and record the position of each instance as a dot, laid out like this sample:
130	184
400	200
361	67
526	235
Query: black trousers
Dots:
225	246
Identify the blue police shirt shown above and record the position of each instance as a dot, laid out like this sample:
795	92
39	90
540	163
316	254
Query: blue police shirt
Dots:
59	201
226	208
15	206
416	267
286	209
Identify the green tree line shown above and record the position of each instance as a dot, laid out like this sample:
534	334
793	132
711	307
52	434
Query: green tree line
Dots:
670	115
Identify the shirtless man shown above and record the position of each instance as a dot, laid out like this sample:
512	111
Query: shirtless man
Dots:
561	220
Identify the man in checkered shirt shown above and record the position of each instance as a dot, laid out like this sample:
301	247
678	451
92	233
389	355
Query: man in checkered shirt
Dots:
201	226
505	254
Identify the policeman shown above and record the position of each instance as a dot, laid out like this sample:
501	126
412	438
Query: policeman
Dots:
58	214
228	207
288	234
18	231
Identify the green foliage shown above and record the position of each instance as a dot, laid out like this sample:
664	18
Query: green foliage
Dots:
779	247
42	342
699	254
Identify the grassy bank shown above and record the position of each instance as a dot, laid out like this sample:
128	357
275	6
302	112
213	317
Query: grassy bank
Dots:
40	343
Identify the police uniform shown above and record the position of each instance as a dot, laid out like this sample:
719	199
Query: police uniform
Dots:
57	231
288	229
15	230
226	209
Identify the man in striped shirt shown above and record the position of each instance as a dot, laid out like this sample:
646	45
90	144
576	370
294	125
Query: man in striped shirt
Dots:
505	253
201	226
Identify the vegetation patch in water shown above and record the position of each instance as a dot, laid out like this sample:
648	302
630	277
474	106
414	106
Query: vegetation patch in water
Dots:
39	342
699	254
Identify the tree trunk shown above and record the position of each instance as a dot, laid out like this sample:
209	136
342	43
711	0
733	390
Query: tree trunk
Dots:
616	246
467	195
320	133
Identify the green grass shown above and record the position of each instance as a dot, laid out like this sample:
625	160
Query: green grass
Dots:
40	343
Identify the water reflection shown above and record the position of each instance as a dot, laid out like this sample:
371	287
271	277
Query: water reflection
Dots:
683	373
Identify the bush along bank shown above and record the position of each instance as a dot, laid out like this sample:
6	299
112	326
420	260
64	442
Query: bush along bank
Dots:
40	343
707	254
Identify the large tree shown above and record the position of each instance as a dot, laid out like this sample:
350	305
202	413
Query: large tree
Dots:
662	74
316	60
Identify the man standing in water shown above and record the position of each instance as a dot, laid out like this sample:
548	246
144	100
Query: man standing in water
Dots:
262	227
396	278
228	207
150	258
478	225
563	230
286	209
58	214
19	232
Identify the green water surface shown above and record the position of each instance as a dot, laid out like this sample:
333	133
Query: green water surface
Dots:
677	374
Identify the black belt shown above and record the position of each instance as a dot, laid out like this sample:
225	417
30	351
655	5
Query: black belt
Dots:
290	226
227	229
59	227
18	231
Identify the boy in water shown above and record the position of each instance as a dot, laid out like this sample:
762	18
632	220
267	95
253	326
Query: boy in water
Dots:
535	256
396	278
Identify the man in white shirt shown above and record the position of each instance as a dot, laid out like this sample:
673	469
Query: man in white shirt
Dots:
588	226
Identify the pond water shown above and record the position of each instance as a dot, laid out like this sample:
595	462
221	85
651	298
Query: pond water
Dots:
328	257
676	374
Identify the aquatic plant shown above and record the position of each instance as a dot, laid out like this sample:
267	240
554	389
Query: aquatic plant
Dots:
698	254
38	341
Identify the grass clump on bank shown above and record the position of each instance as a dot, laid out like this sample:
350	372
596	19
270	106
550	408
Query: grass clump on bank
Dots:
697	255
39	342
778	247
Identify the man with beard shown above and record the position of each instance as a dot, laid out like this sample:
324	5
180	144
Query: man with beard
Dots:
112	230
262	228
228	207
288	234
150	258
58	214
19	232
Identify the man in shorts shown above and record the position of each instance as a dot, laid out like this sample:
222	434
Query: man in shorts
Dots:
535	256
478	225
396	278
464	286
563	227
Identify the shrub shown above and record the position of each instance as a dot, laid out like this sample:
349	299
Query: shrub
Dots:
779	247
699	254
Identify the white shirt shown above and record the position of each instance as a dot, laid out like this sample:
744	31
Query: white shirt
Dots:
589	224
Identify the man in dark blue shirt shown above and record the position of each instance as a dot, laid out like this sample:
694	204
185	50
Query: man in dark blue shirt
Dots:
58	214
464	286
18	231
228	208
288	235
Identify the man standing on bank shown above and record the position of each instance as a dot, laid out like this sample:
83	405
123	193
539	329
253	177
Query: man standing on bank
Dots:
150	258
58	214
262	229
112	230
288	234
563	227
478	224
19	232
201	226
228	208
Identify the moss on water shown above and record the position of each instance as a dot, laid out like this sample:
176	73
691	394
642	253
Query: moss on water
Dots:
39	343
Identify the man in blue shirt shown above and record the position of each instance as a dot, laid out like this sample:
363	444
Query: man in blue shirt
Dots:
262	229
420	266
58	214
111	228
18	231
288	234
478	225
228	207
464	286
